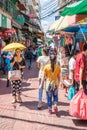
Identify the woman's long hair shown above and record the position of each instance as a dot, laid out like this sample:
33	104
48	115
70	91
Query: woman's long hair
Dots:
53	61
46	51
16	50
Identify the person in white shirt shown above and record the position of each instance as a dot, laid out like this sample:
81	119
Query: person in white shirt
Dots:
72	62
42	61
69	81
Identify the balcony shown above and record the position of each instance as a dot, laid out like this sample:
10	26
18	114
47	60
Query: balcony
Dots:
10	7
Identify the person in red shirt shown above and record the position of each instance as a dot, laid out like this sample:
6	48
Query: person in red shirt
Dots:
80	70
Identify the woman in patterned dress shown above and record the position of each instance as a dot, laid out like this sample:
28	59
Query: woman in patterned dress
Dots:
17	63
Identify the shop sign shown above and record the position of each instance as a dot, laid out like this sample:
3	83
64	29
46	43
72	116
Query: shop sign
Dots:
57	17
84	20
8	23
20	19
3	21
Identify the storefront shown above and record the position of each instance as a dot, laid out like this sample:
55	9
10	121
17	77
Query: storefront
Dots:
5	22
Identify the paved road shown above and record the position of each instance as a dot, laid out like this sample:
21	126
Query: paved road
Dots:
25	116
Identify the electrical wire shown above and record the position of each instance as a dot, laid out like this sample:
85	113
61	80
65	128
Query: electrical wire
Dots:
48	5
49	10
56	10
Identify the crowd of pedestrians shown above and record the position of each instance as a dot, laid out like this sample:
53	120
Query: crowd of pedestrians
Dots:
49	73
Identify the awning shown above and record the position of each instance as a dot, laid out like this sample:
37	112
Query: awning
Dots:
79	7
79	29
16	24
76	28
64	22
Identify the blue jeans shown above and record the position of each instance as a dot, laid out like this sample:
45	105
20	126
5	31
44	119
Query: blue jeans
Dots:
40	91
29	62
50	94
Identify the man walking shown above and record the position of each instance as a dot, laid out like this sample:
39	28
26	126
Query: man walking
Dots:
80	70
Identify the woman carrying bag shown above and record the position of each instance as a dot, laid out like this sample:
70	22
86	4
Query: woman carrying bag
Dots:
17	63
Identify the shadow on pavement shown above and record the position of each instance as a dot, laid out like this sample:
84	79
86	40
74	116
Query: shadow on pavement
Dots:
7	90
63	113
28	89
3	88
63	104
24	84
33	105
32	73
41	123
78	122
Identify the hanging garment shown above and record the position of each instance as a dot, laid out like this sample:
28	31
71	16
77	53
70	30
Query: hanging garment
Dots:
62	41
68	39
68	50
77	46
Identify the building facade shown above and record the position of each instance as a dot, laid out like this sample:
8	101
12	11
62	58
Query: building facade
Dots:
61	3
33	11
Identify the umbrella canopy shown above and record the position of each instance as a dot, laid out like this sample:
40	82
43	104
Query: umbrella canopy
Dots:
76	28
64	22
79	7
13	47
71	29
57	24
79	29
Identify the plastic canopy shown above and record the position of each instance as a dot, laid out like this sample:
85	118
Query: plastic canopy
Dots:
64	22
79	7
77	28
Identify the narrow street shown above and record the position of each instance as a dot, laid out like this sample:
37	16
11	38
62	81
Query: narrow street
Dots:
25	116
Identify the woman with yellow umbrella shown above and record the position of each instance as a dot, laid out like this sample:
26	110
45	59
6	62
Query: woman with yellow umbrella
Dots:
17	63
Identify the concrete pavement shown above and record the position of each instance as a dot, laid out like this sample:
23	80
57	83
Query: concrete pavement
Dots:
25	116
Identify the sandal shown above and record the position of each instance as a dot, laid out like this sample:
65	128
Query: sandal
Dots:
50	111
55	109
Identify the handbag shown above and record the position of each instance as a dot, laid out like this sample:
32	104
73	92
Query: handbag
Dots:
14	75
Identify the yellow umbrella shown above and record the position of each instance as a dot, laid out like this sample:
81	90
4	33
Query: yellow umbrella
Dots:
13	47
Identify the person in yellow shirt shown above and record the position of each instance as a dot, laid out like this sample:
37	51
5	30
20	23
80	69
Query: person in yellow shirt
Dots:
51	74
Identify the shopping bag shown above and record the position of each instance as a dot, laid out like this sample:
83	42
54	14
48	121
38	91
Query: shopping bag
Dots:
78	105
71	92
14	75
